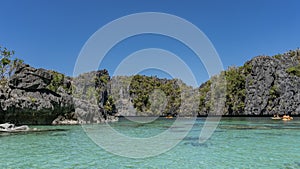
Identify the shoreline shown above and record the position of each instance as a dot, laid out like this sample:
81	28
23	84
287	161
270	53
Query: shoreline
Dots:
211	116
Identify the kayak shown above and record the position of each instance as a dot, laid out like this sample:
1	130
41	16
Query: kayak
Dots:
287	118
276	118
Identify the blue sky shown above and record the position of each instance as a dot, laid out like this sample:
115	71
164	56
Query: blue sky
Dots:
51	33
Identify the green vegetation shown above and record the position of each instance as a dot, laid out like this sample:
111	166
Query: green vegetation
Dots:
90	93
203	90
290	53
168	92
235	86
92	87
59	80
294	70
56	82
278	56
236	93
109	106
8	64
104	78
32	99
101	79
274	92
142	87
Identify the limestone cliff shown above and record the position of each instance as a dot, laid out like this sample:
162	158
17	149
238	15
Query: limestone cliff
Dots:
272	86
35	96
151	96
91	99
262	86
39	96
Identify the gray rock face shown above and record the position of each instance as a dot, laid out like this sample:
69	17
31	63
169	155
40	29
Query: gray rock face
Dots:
29	78
163	96
90	95
270	89
39	96
262	86
120	91
28	100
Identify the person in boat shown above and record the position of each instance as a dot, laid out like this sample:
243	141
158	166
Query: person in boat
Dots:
285	116
276	117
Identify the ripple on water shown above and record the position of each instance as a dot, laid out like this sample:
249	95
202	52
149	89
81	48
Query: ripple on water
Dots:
235	144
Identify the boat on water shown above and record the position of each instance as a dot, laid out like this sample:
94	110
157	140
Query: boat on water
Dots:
284	117
276	117
287	117
8	127
169	117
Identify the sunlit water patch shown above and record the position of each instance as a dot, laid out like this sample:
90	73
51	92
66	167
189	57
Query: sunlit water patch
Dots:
236	143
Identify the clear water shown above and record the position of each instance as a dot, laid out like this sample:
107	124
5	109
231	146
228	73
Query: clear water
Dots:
237	143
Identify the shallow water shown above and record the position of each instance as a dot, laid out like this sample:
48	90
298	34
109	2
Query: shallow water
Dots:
237	143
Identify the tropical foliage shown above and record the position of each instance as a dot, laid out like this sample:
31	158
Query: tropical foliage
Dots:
8	64
56	82
294	70
233	83
142	88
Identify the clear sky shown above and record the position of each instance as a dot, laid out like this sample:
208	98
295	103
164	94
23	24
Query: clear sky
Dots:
51	33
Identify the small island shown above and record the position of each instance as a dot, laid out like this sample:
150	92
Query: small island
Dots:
155	84
263	86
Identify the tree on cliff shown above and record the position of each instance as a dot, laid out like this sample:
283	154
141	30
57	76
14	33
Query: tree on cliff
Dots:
142	87
8	64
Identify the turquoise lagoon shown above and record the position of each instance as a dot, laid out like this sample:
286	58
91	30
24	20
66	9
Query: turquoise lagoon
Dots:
236	143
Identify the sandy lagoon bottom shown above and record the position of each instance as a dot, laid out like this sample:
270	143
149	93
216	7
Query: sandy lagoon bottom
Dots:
236	143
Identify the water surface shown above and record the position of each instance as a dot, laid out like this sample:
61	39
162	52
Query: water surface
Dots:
237	143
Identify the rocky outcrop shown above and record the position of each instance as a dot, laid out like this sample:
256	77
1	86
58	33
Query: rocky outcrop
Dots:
263	86
28	99
270	89
90	97
39	96
120	91
151	96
